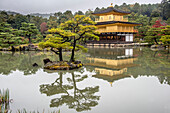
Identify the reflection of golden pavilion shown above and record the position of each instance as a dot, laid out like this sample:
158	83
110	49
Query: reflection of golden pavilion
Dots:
110	79
112	64
111	67
110	72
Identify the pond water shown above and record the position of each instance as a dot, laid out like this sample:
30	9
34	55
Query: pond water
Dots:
117	80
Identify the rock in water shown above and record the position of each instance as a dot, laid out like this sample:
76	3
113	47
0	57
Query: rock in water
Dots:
35	65
47	60
77	62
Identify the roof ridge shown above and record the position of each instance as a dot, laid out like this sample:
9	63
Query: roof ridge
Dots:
110	9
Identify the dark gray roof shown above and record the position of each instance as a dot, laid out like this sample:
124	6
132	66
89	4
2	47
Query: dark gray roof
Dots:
110	9
112	22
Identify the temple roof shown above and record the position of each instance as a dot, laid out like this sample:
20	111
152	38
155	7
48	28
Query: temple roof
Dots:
114	22
110	78
111	10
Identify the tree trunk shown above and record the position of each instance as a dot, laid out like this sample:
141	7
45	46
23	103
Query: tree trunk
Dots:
13	49
74	84
155	40
61	79
73	50
60	54
29	40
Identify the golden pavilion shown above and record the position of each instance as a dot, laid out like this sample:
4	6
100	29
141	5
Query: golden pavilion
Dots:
113	26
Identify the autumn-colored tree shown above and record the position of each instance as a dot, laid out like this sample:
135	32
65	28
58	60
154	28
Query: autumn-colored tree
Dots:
158	24
43	27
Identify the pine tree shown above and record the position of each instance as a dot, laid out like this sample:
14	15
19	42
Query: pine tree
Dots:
56	43
29	30
9	37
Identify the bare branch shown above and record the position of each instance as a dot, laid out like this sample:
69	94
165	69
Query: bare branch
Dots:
56	52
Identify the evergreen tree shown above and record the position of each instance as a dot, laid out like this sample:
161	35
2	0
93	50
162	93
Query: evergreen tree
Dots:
56	43
153	35
166	35
29	30
9	37
72	32
165	4
80	28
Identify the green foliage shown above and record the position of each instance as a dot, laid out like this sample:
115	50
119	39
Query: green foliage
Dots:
81	27
89	14
72	32
79	13
58	18
37	38
153	35
165	6
54	42
168	21
18	20
36	20
29	30
80	47
166	37
9	36
52	22
77	30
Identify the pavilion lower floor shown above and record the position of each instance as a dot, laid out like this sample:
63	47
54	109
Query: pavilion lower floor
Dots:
113	38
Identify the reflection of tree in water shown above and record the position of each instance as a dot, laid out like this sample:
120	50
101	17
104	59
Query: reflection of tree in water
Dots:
9	62
72	96
28	60
21	61
156	63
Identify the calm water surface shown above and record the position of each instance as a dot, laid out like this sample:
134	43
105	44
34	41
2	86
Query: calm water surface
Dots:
119	80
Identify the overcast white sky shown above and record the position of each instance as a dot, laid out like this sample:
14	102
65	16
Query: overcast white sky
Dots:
51	6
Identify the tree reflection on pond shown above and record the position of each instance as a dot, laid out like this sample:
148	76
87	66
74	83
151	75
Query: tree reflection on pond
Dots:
80	99
22	61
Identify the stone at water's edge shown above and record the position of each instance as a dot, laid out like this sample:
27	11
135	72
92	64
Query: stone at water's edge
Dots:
46	61
62	65
35	65
157	46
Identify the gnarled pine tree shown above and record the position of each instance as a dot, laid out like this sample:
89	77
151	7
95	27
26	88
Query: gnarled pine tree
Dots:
56	44
76	30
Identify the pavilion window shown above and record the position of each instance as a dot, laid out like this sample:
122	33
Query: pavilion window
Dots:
127	27
101	18
123	28
113	17
110	17
130	28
